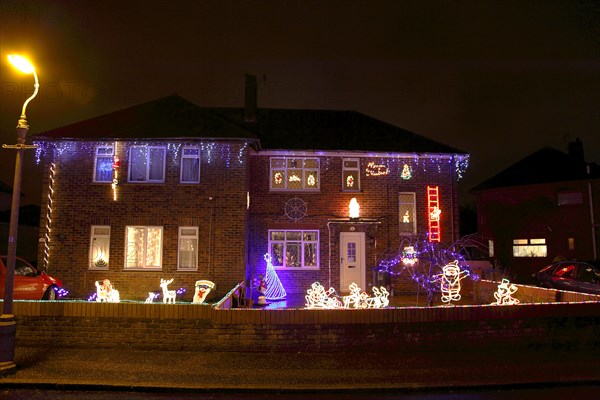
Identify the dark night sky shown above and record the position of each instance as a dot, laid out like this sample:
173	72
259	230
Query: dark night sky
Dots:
498	79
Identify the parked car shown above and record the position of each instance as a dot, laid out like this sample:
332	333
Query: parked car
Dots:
30	284
576	276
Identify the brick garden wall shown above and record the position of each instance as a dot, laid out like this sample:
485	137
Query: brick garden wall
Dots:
396	330
78	203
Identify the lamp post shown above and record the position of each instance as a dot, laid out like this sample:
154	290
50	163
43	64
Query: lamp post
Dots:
8	324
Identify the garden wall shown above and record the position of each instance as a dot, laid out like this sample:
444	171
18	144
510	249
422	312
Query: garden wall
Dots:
397	330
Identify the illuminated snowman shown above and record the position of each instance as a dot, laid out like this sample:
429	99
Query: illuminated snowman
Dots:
504	294
450	282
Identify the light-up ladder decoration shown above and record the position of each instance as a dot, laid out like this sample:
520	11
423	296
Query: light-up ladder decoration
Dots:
433	209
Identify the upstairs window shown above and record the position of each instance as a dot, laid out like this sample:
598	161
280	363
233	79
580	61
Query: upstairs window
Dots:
190	165
350	175
147	164
294	174
408	220
103	170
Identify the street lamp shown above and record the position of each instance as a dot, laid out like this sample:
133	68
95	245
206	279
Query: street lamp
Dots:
8	324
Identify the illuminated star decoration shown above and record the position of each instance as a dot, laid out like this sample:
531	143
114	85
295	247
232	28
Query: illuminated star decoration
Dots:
275	290
504	294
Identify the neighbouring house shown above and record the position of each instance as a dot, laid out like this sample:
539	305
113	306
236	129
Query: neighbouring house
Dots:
543	207
167	189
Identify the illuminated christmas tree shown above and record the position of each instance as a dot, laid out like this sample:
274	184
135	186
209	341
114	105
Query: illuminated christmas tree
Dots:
275	290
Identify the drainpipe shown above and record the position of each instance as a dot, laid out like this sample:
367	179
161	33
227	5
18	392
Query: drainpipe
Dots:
329	261
594	244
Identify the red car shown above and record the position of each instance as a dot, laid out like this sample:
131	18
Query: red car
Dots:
30	284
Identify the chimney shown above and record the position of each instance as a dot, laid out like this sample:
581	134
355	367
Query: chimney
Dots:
250	105
576	150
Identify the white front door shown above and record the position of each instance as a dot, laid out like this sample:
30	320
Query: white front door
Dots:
352	260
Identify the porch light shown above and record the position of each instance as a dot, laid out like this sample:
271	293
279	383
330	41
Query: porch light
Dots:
354	209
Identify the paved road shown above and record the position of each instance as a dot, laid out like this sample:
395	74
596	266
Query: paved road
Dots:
114	369
522	393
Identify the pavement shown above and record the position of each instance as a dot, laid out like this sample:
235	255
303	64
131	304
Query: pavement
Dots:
374	370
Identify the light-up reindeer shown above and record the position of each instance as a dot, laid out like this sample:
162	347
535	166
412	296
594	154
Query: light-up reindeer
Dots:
168	295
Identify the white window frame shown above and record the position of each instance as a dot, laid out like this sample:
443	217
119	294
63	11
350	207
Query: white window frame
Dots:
98	155
355	170
129	249
530	248
411	207
286	177
148	151
99	236
282	266
184	237
185	156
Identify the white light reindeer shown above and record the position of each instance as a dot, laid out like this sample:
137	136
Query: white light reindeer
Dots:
168	295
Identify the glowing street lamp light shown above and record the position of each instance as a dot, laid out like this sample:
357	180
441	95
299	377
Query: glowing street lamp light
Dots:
8	325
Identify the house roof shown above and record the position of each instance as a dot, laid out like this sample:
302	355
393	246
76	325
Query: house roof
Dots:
290	129
4	188
277	129
544	166
167	117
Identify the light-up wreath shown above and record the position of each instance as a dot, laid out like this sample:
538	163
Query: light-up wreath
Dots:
295	209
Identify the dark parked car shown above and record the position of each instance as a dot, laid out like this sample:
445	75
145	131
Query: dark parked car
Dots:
576	276
30	284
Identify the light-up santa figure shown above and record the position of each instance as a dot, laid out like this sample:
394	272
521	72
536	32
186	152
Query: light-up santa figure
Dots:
450	281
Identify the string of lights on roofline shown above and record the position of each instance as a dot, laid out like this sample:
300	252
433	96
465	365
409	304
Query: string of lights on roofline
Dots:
404	165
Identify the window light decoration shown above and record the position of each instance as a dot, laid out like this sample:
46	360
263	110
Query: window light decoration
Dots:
449	281
354	208
406	172
168	295
504	294
434	211
275	290
406	218
374	169
349	181
203	288
105	292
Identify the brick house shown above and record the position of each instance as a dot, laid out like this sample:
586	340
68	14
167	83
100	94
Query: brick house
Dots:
544	206
167	189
